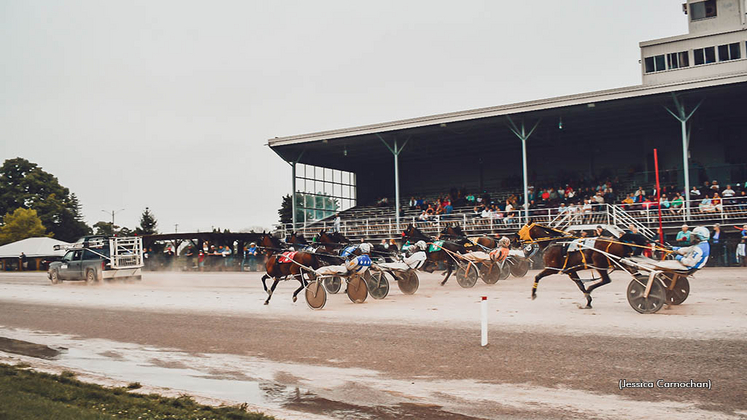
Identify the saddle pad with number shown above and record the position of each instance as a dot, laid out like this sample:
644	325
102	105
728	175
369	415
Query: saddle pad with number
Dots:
286	257
435	246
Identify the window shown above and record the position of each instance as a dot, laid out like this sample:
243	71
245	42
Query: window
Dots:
704	55
677	60
702	10
728	52
322	192
656	63
649	61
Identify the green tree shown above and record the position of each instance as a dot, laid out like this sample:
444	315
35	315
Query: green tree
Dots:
25	185
104	228
286	210
148	223
21	224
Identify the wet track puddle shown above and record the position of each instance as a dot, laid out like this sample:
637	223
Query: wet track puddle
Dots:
229	378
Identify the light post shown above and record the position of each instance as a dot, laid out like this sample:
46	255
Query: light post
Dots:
113	212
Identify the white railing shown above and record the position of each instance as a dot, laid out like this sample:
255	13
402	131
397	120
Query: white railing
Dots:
644	217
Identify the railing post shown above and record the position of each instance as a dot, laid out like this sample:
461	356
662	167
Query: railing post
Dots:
464	221
366	228
390	226
345	227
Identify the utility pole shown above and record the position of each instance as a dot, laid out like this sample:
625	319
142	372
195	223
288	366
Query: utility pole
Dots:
176	227
113	212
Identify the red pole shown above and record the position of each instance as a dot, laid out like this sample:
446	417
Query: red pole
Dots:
658	196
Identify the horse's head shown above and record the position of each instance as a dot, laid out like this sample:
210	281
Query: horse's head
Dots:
270	243
531	233
453	232
296	238
415	234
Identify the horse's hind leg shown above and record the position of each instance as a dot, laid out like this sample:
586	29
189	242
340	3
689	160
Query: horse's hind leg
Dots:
605	280
544	273
272	290
301	280
574	276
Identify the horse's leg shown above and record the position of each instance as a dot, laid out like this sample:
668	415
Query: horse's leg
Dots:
544	273
574	276
449	269
264	285
301	280
272	290
605	280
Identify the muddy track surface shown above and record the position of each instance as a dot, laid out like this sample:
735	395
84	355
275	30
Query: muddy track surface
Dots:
322	365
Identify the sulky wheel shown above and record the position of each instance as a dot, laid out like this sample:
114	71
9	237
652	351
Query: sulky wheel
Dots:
408	282
316	295
657	297
466	275
378	285
333	284
519	267
679	292
357	290
490	273
504	270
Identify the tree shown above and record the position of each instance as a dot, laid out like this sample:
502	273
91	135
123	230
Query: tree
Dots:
21	224
286	210
104	228
148	223
25	185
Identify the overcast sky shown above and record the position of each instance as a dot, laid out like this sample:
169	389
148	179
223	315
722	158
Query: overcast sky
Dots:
169	104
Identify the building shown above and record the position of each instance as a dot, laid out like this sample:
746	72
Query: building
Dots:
39	253
689	107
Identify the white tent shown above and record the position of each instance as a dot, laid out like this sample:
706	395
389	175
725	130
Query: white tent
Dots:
33	247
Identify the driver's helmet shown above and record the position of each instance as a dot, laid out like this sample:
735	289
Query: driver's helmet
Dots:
420	245
504	242
365	248
702	233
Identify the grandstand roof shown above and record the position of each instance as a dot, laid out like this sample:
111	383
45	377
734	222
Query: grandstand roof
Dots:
587	98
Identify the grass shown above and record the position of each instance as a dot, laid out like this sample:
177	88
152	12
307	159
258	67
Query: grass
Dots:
25	394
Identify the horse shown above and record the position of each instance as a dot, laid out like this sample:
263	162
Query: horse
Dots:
443	254
457	234
281	270
330	242
299	241
559	262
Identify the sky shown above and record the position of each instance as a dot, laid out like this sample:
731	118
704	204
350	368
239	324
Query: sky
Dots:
169	104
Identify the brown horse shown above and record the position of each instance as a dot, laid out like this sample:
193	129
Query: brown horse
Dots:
558	261
456	233
282	270
434	257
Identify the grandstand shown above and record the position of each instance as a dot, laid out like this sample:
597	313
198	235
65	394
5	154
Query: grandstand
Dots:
689	107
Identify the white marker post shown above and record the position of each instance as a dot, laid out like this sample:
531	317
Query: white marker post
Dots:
484	310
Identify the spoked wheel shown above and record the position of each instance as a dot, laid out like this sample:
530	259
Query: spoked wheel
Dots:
466	275
520	267
679	292
657	297
333	284
504	270
378	285
490	273
357	290
408	282
316	295
54	277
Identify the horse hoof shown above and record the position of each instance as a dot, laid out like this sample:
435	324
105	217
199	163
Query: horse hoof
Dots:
267	303
294	299
534	297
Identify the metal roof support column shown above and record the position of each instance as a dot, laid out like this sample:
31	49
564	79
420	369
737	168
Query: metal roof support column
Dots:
523	136
683	117
395	151
293	163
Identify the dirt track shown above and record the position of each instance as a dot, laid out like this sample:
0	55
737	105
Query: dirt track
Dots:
410	356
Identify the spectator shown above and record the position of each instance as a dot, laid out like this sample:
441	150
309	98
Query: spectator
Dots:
715	186
728	192
716	202
24	262
336	225
677	204
706	205
717	245
742	247
683	237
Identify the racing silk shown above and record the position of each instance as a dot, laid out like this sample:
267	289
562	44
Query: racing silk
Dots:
695	257
435	246
499	254
286	257
358	264
348	250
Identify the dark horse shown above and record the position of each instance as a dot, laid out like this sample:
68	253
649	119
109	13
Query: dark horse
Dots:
558	261
278	271
441	255
457	234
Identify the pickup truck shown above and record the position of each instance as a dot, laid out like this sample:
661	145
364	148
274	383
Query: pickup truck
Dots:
94	259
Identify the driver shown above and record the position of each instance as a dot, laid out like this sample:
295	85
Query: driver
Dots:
694	256
499	254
